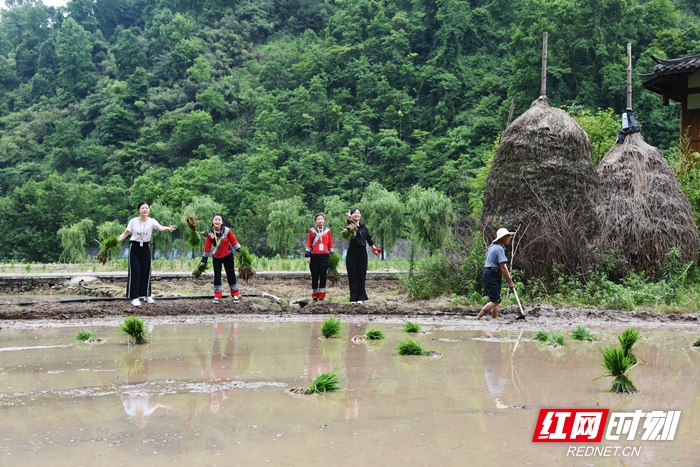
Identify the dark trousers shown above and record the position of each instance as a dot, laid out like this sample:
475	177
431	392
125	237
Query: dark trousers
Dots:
227	261
319	271
139	281
356	263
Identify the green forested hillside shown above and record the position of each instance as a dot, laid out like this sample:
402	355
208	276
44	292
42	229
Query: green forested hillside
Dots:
105	103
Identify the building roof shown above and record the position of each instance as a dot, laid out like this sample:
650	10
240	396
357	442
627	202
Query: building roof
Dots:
669	76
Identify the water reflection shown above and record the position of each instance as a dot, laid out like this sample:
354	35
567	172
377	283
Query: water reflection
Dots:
214	394
496	363
220	365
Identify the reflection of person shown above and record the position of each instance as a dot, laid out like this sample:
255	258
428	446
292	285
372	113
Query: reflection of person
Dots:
220	244
359	376
315	361
319	246
138	406
221	364
356	259
494	268
140	228
496	368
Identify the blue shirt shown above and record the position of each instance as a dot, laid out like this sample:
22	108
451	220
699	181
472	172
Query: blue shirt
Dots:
495	255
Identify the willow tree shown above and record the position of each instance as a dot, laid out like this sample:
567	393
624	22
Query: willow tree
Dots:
286	224
73	240
383	211
430	216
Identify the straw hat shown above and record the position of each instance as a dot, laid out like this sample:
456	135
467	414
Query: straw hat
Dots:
502	233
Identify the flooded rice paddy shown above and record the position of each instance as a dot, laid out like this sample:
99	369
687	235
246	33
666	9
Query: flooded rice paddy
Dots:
216	395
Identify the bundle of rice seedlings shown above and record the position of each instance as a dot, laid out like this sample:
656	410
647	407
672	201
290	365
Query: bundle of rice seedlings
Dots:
411	327
349	232
199	270
245	264
582	334
330	327
410	347
324	382
106	247
135	329
84	335
543	182
627	339
643	211
616	365
697	343
374	334
333	274
194	239
541	335
556	338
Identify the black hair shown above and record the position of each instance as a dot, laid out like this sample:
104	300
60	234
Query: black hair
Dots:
319	214
138	206
223	219
352	210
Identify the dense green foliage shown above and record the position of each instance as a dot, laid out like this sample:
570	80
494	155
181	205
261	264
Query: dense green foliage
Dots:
106	103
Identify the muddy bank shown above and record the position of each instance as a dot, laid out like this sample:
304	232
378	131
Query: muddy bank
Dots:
387	303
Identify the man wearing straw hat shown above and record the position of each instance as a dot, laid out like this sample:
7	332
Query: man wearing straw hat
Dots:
494	268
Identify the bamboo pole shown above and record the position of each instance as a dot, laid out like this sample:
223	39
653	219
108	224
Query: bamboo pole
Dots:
543	82
510	112
629	75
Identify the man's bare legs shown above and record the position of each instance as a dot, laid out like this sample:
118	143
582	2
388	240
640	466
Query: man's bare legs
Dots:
490	306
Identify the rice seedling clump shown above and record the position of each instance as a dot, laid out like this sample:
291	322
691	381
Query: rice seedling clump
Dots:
324	382
556	338
135	329
697	343
627	339
582	334
333	274
245	264
199	270
541	335
616	364
107	245
85	334
330	327
374	334
411	327
410	347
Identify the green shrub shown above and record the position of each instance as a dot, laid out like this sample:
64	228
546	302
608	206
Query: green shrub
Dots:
433	278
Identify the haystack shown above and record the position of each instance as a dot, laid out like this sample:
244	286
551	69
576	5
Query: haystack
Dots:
543	183
643	212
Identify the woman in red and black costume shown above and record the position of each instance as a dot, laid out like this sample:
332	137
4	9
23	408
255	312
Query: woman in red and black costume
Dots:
319	246
220	244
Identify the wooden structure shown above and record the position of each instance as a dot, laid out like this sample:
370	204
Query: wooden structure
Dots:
678	79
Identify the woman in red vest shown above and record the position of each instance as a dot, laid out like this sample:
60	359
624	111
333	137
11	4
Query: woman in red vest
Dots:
220	244
319	246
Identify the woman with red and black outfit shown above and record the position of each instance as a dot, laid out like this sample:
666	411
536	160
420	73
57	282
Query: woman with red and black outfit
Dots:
221	243
319	246
356	259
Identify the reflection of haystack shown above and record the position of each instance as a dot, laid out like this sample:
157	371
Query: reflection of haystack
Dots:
643	211
543	182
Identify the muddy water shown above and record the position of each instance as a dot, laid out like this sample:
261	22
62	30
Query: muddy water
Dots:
215	395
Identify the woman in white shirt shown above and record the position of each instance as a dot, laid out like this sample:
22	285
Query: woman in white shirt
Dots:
140	228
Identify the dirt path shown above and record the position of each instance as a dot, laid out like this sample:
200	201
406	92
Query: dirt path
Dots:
388	304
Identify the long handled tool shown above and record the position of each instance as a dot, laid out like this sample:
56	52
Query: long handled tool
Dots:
522	313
